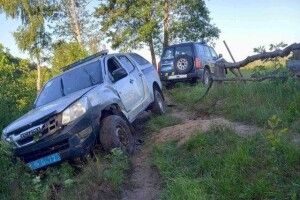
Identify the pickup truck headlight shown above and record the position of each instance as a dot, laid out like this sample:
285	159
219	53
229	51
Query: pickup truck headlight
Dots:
75	111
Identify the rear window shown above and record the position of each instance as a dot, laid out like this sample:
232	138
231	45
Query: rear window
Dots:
70	82
184	50
139	59
168	54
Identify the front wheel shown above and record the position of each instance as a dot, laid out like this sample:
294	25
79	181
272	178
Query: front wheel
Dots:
116	133
158	105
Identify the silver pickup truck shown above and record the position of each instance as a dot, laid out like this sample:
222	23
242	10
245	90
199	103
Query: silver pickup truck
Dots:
93	101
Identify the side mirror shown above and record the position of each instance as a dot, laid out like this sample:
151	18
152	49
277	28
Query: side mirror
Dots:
118	74
220	55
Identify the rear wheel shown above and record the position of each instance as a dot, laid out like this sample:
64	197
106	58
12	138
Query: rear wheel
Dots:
158	105
116	133
206	77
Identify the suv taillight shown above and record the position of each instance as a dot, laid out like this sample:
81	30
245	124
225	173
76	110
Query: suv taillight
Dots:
198	64
158	66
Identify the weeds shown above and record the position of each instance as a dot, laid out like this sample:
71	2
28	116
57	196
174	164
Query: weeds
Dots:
99	178
156	123
251	102
220	164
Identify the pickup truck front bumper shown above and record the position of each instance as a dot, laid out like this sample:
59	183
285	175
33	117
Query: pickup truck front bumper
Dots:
71	141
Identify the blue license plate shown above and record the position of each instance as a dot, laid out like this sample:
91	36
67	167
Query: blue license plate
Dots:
42	162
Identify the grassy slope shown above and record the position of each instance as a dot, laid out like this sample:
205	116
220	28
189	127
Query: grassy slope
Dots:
253	103
221	165
100	178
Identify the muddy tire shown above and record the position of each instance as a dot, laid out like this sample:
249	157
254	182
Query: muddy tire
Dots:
207	77
158	105
116	133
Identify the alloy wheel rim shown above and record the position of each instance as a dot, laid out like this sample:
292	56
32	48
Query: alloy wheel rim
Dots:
182	64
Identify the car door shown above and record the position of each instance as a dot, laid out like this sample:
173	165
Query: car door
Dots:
135	83
124	86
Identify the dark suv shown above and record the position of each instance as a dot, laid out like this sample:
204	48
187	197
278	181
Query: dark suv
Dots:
187	61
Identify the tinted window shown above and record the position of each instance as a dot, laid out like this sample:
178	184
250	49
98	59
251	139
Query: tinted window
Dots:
139	59
125	62
69	82
207	52
168	54
213	53
184	50
51	91
200	49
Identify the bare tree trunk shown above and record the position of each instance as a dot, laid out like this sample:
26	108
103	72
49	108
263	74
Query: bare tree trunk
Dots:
75	24
38	79
166	23
151	46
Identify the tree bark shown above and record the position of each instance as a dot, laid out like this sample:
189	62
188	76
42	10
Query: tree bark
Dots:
151	46
262	56
166	23
38	79
75	24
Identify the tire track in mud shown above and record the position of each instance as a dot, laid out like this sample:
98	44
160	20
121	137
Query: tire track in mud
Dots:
144	180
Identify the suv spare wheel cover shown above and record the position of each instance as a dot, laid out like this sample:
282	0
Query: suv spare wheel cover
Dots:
183	64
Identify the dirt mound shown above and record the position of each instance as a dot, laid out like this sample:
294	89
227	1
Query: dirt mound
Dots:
182	132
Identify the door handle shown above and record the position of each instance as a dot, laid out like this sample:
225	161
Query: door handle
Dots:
131	81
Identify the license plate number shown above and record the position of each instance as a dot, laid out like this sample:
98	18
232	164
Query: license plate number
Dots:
177	76
42	162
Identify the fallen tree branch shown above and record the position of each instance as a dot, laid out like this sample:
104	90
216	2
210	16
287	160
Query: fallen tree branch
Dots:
262	56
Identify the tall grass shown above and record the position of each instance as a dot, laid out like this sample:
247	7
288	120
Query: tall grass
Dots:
250	102
221	165
100	178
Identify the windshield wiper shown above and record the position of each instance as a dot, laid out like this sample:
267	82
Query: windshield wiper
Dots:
93	82
62	87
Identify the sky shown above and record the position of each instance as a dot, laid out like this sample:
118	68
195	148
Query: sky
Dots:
244	25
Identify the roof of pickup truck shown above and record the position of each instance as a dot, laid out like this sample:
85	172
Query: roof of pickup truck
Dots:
99	54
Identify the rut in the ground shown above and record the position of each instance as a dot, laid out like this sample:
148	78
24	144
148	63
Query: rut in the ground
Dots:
144	183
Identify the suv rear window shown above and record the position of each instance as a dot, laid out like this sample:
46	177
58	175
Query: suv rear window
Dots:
168	54
184	50
70	82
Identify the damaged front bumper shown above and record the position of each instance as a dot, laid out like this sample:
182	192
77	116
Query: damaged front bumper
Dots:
71	141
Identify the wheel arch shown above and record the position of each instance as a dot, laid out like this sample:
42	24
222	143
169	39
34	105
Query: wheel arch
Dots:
155	85
112	109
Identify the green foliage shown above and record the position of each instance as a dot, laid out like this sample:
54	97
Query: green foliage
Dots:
136	22
130	25
65	54
158	122
251	102
191	22
99	179
17	89
220	164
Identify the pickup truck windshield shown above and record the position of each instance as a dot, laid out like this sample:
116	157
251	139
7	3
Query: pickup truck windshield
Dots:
70	82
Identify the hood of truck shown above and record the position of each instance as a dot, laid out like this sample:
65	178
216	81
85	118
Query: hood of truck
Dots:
45	111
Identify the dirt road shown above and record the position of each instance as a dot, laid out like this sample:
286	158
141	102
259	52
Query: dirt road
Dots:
144	181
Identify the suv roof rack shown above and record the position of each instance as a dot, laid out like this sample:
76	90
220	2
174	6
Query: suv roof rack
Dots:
99	54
